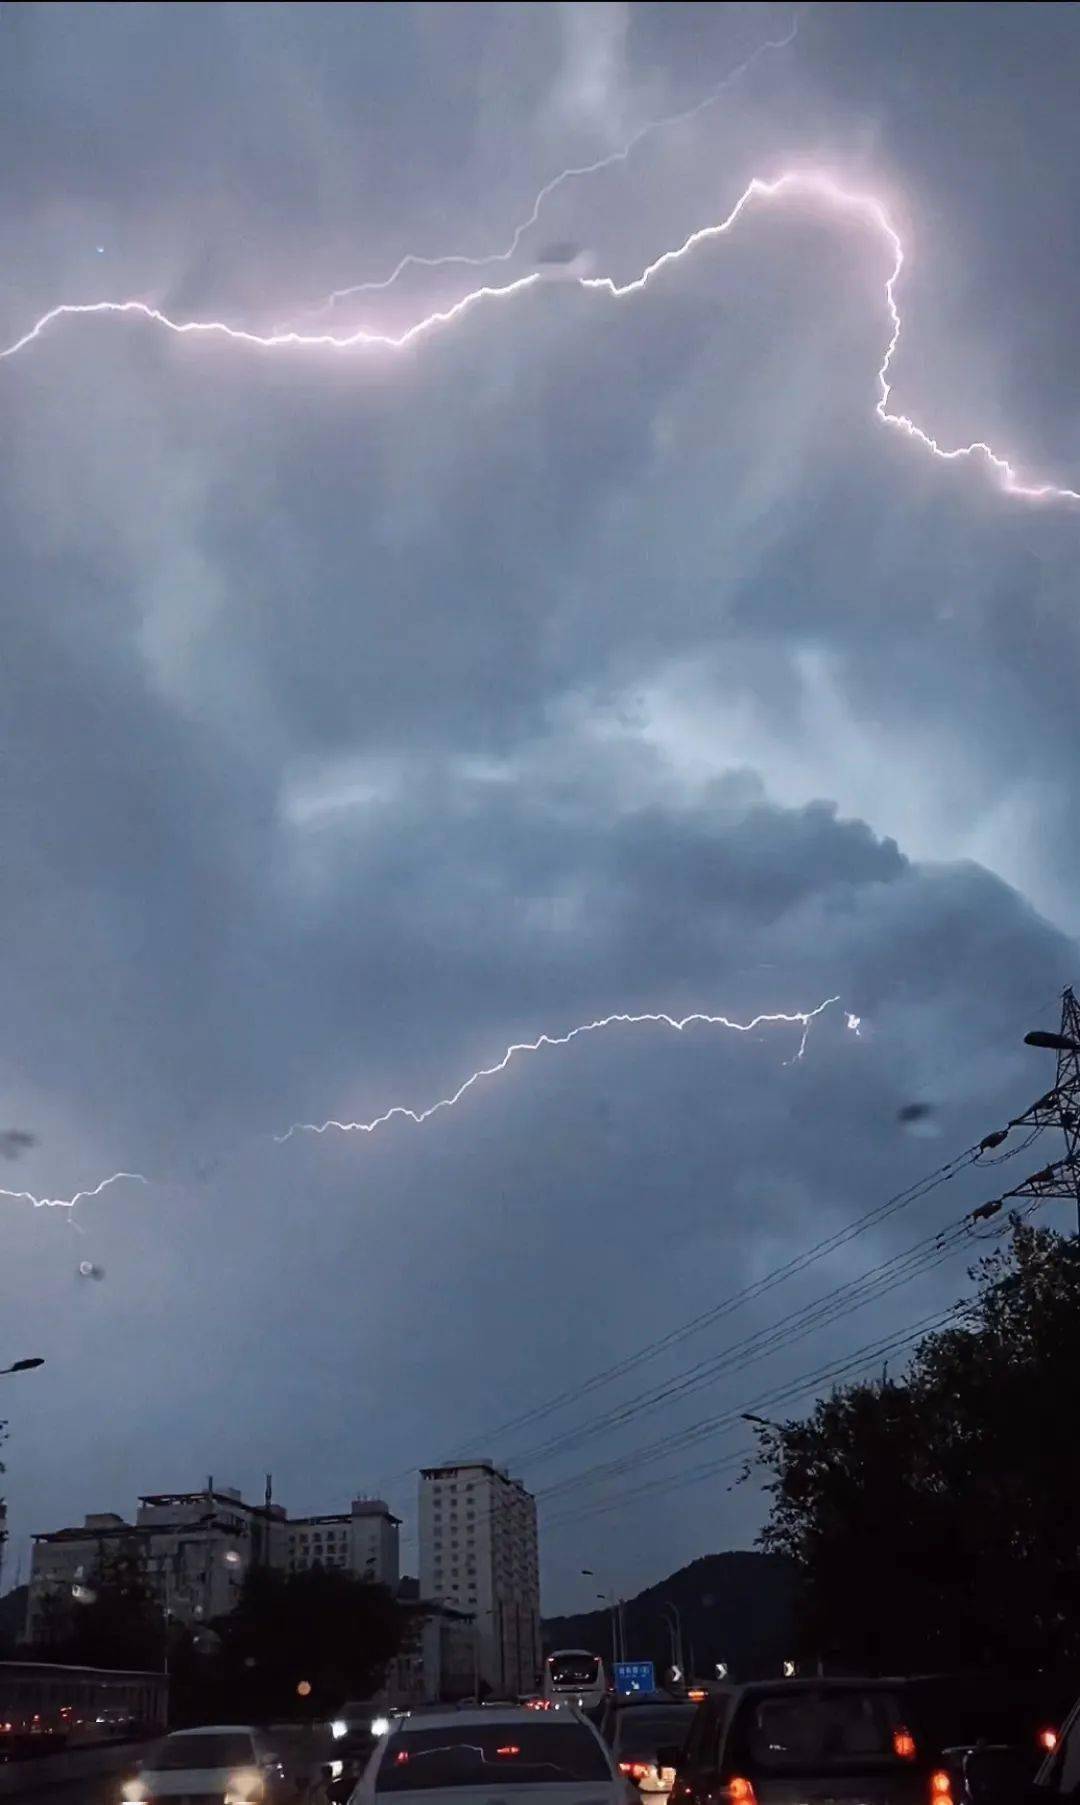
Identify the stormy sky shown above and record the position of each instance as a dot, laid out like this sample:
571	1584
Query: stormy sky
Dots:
366	711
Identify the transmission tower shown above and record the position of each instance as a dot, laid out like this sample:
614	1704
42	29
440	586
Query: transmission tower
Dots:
1059	1108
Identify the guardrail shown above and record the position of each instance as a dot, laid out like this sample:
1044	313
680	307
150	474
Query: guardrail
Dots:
23	1779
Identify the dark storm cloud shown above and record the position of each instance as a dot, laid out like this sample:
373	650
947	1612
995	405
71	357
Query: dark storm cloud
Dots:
363	714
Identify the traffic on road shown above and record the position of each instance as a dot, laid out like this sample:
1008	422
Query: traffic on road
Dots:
823	1740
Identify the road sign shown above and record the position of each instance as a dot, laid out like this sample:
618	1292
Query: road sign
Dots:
634	1676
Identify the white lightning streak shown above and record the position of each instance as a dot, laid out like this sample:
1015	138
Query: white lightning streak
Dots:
816	184
803	1017
457	259
68	1203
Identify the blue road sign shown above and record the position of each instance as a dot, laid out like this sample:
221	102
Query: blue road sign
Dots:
635	1676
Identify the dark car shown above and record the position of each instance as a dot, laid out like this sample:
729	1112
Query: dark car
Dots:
637	1728
1058	1776
989	1732
934	1740
796	1742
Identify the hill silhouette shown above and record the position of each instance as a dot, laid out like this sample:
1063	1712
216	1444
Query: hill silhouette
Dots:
735	1607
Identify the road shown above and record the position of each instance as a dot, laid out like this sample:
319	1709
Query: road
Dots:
102	1791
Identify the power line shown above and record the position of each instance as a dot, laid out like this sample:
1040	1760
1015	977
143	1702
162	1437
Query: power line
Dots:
708	1426
843	1299
923	1257
798	1263
865	1357
900	1269
787	1392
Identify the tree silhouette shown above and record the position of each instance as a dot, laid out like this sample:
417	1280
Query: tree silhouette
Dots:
933	1518
322	1627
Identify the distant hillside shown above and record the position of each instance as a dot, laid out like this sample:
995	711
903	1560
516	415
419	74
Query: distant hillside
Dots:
12	1619
735	1607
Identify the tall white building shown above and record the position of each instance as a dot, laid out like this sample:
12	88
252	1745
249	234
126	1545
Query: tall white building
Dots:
478	1551
362	1541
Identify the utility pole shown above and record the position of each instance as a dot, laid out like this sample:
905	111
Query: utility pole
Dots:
1059	1108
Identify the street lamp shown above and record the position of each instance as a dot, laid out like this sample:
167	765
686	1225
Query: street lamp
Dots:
618	1650
23	1366
674	1625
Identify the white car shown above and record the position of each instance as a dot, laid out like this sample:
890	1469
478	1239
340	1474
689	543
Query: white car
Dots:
229	1764
497	1755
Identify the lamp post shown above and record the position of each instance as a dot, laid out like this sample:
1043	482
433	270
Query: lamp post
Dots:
674	1624
17	1366
488	1611
618	1651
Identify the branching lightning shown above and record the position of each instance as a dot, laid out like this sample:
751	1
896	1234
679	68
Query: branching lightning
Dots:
68	1203
803	1017
811	184
575	173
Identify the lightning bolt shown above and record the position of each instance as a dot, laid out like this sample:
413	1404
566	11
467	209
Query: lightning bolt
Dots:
812	183
575	173
68	1203
803	1017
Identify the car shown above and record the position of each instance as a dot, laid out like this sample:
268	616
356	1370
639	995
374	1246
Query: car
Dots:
231	1762
356	1729
995	1777
353	1716
989	1732
637	1728
661	1699
786	1742
491	1756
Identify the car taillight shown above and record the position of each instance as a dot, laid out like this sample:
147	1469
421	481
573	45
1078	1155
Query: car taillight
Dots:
1047	1739
739	1791
903	1743
635	1769
940	1787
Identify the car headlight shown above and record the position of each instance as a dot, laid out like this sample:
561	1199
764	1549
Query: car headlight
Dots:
380	1726
135	1792
339	1728
243	1787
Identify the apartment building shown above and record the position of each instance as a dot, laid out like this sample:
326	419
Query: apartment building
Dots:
362	1541
479	1553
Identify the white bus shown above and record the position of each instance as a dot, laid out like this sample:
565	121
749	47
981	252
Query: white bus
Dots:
575	1677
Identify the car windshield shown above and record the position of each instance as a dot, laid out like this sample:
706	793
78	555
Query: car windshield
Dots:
504	1754
574	1670
209	1748
643	1729
539	727
815	1730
